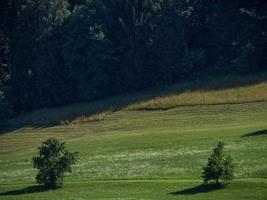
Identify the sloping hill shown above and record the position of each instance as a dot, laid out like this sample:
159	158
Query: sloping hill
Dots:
147	146
208	91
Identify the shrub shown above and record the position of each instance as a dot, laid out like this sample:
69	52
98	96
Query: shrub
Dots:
219	166
52	162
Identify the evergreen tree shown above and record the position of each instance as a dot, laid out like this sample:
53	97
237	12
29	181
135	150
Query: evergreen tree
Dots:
219	166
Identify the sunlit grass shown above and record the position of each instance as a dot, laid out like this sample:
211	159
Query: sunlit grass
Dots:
240	94
147	150
156	144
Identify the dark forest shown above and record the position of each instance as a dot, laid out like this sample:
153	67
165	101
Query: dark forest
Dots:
57	52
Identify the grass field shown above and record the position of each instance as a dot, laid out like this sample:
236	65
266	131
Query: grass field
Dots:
145	149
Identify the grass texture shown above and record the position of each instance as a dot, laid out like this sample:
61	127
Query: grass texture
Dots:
146	150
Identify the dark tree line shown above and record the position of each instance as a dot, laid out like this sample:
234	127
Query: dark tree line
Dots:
61	51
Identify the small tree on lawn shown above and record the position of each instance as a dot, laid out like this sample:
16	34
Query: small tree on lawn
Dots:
219	166
52	162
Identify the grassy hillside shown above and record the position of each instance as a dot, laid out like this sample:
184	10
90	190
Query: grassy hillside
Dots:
147	146
209	90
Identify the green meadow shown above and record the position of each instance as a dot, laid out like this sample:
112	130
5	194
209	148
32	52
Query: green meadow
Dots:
146	146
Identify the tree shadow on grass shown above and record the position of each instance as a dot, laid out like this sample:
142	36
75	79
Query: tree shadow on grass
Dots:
255	133
27	190
203	188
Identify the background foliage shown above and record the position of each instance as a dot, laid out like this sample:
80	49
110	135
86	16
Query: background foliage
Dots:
62	51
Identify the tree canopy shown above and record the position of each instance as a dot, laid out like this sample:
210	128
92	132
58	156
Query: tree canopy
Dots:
52	162
219	166
56	52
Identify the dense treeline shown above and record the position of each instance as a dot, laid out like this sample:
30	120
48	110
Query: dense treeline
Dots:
55	52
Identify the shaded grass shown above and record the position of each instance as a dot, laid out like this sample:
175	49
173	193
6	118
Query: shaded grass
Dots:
26	190
206	91
156	190
202	188
256	133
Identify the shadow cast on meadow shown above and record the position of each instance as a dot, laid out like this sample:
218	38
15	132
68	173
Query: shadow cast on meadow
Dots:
203	188
27	190
255	133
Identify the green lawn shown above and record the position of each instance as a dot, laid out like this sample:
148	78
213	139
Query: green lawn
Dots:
146	154
126	190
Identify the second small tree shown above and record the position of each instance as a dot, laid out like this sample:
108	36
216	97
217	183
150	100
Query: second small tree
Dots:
52	162
219	166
